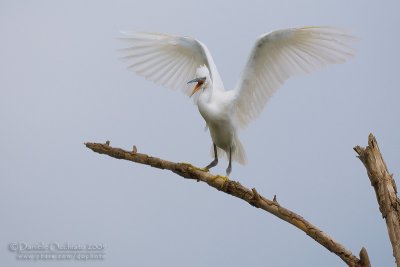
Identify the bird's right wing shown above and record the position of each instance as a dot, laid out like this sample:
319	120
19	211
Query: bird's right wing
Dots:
281	54
167	60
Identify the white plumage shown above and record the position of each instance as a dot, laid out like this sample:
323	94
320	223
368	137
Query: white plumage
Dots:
172	61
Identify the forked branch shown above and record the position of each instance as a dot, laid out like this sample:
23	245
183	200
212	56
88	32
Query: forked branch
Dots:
235	189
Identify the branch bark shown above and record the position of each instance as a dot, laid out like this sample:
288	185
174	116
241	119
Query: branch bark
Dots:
235	189
385	190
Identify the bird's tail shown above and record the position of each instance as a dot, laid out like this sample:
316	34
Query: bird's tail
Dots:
238	153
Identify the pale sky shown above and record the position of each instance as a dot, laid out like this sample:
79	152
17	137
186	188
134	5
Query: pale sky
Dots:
62	85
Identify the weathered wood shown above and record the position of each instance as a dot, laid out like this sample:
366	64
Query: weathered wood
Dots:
385	190
222	183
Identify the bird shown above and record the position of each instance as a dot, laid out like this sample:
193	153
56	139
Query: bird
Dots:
182	62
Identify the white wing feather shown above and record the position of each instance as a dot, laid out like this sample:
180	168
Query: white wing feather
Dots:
281	54
168	60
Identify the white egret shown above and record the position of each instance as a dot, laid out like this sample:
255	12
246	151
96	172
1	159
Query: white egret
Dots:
175	62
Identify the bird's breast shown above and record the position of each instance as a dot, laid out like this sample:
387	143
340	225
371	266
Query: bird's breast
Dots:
219	123
212	112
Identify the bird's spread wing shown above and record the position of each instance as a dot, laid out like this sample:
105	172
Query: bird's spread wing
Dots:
167	60
281	54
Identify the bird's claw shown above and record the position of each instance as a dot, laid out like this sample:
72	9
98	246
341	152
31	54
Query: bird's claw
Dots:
220	177
194	167
201	169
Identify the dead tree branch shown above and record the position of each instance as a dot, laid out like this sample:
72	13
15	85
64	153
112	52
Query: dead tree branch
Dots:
385	190
235	189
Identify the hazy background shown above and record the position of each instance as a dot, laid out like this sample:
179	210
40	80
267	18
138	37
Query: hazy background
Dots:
62	85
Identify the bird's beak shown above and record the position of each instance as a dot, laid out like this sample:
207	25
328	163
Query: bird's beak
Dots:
200	82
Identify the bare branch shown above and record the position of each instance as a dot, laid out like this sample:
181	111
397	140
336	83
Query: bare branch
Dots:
385	190
364	259
234	188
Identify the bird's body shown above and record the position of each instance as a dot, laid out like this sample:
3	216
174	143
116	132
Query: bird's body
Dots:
172	61
215	110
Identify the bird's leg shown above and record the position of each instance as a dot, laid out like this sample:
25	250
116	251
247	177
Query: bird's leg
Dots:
215	161
229	169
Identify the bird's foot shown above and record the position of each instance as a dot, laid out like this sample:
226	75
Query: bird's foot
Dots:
194	167
212	164
229	170
220	181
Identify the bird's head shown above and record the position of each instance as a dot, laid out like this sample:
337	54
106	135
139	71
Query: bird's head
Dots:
199	84
202	81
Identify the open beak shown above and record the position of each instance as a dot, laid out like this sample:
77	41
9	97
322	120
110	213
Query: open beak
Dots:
200	82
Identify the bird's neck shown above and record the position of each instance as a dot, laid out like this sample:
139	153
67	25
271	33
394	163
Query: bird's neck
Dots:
207	95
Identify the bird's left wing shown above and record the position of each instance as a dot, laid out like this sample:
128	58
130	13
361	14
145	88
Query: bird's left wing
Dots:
281	54
167	60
